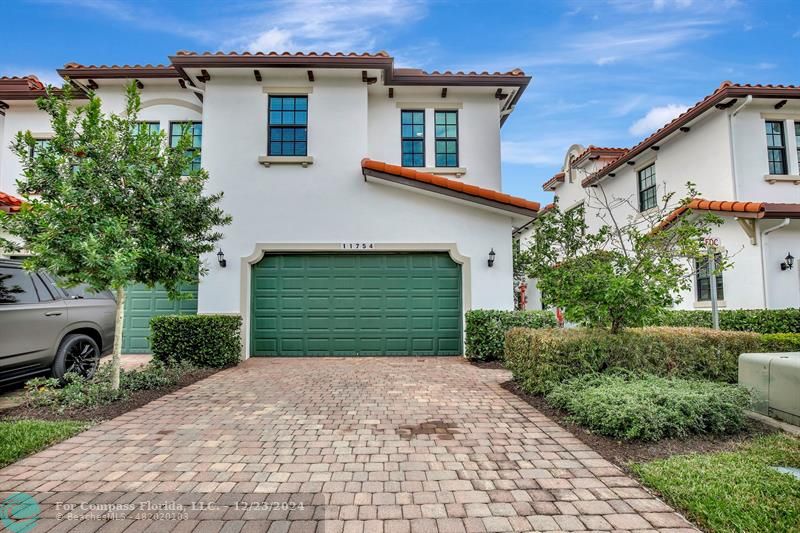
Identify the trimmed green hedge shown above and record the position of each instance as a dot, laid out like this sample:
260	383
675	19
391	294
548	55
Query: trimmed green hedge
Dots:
757	320
647	407
543	358
202	340
486	330
780	342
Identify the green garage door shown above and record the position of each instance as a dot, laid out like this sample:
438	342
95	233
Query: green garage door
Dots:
142	303
356	304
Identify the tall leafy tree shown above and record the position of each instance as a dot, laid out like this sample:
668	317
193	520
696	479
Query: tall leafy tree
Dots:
110	203
625	272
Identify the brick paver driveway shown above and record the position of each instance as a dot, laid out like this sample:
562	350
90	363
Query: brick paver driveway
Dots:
331	445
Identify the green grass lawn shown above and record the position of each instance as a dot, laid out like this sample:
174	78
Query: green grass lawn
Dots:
733	491
19	438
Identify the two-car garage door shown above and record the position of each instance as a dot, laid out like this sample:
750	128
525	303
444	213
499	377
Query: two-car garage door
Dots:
356	304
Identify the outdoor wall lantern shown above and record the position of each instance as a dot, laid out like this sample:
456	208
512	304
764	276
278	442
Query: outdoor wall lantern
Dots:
221	258
788	262
491	258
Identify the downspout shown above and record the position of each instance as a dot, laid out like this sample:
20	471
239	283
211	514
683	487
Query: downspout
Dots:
763	254
732	140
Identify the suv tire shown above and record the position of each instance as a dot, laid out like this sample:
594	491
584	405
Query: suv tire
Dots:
77	353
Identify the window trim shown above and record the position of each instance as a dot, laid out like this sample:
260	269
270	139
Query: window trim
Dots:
193	123
424	137
456	139
289	158
639	186
782	148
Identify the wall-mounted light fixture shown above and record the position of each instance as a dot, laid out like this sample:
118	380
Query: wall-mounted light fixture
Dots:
788	262
221	258
491	257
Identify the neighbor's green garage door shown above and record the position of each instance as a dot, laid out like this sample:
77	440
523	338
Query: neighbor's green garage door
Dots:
142	303
356	304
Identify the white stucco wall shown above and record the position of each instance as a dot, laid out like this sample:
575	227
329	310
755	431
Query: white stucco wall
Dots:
703	156
21	116
478	129
329	201
751	153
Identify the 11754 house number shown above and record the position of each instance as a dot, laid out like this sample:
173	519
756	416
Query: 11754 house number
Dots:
358	246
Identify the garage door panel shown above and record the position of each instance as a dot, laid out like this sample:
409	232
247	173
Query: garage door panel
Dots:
141	304
356	304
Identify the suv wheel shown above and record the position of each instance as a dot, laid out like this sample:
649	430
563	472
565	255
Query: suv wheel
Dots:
77	353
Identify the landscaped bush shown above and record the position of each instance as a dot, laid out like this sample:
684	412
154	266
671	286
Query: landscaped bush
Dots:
74	391
543	358
486	330
647	407
212	341
780	342
757	320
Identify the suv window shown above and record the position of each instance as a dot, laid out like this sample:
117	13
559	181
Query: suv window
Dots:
84	291
16	287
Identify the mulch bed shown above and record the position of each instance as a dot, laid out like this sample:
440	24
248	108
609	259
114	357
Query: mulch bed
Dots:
624	453
108	411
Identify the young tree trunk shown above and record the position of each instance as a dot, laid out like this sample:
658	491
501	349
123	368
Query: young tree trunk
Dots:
115	361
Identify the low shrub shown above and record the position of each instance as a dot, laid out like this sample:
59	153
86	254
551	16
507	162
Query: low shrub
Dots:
780	342
211	341
540	359
76	392
757	320
647	407
486	330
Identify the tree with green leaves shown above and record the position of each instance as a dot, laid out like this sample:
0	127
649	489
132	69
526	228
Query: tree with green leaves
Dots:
625	272
109	203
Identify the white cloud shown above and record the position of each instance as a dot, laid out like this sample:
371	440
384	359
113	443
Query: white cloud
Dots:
656	118
532	153
323	25
273	39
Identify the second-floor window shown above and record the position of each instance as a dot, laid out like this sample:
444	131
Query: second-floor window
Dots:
703	281
149	127
446	129
647	188
288	125
38	145
176	129
412	132
797	140
776	147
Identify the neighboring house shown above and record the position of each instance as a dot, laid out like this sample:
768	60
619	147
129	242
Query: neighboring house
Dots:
740	147
365	198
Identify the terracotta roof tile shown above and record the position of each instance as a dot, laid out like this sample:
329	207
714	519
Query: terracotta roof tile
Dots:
726	90
283	54
552	183
9	202
753	209
446	183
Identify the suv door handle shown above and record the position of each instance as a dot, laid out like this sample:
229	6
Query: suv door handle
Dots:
53	313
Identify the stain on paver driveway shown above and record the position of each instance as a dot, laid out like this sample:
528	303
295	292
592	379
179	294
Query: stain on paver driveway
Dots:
335	445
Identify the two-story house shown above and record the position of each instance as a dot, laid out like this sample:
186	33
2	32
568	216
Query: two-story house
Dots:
740	147
366	203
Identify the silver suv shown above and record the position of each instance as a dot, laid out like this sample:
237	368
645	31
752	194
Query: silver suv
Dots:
47	329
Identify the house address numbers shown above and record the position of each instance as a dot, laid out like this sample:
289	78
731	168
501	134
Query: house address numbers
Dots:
358	246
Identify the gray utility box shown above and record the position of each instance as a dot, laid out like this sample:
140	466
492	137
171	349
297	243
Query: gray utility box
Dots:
774	379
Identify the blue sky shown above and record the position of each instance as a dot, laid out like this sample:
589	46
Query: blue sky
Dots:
606	72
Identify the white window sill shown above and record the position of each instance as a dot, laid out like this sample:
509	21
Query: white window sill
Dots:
457	171
268	160
774	178
706	304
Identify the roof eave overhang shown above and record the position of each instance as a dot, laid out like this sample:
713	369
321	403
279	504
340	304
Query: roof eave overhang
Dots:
700	109
520	214
117	73
11	96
